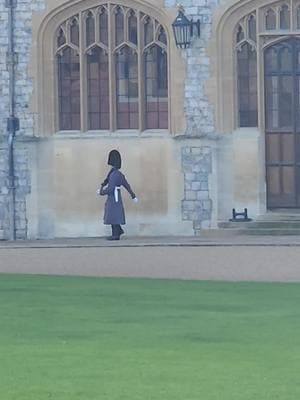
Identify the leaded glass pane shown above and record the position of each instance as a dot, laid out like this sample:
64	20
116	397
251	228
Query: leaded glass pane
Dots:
98	89
285	58
156	88
271	60
69	90
162	37
284	17
298	18
132	28
127	89
98	62
74	32
90	29
247	85
240	34
252	28
119	23
103	27
148	31
61	39
270	19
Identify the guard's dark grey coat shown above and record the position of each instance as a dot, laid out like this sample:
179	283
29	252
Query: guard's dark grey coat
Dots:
114	213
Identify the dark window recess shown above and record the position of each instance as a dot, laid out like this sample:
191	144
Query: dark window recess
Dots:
270	20
156	88
148	31
247	86
285	17
90	29
74	32
119	22
240	34
69	90
115	58
127	89
132	28
98	90
103	27
61	39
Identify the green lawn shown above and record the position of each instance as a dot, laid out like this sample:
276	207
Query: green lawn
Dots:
131	339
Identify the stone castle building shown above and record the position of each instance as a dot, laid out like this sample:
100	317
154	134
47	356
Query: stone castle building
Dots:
201	129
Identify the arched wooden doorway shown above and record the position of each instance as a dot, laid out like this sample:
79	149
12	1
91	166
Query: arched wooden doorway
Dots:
282	108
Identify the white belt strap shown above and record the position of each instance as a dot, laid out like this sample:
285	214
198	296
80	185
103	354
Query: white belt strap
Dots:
116	193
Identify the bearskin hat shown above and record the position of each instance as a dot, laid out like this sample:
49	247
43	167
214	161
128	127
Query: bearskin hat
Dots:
114	159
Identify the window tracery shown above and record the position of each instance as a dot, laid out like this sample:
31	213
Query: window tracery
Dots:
275	20
116	71
247	71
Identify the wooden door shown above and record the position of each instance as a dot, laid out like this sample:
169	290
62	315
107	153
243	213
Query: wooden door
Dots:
282	88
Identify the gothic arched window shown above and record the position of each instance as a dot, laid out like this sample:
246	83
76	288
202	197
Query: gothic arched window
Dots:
247	72
112	64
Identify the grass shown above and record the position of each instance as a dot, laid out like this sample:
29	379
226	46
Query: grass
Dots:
71	338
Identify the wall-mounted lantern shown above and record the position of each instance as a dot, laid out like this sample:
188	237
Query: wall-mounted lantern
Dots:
183	29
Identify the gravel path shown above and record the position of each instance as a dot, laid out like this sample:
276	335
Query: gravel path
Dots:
206	261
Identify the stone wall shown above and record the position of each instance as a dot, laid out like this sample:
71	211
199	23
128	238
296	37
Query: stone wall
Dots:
197	204
23	41
3	69
22	188
197	160
199	114
198	111
3	192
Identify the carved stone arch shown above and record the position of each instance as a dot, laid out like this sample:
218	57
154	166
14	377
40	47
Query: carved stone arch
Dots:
270	41
223	65
44	63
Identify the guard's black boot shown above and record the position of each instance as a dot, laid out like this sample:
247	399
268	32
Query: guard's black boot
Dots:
115	233
113	238
121	232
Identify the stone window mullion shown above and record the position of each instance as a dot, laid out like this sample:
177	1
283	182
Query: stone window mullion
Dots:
259	68
141	74
83	75
112	69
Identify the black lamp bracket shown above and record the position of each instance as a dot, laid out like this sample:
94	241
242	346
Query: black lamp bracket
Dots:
195	24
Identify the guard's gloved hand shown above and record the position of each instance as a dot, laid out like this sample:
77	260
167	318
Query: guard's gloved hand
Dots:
105	182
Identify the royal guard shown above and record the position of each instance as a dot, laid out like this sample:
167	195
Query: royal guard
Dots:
114	213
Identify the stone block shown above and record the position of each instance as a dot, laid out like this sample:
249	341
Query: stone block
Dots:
187	205
196	185
190	176
202	195
190	195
